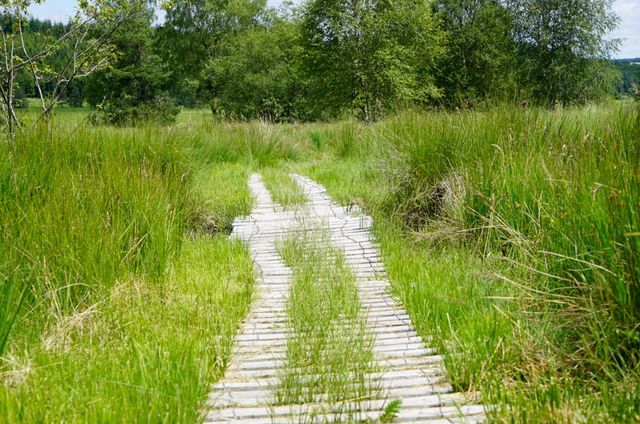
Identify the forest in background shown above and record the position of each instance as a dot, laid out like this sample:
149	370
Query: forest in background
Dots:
325	59
630	75
502	175
503	182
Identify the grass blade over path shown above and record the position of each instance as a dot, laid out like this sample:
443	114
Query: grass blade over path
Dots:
329	356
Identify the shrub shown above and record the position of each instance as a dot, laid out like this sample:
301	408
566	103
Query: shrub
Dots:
125	112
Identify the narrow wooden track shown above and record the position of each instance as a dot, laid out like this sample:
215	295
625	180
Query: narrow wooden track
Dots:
409	370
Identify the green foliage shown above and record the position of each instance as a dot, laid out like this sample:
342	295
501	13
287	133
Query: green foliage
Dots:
185	91
370	56
562	44
130	111
333	58
256	74
630	71
132	90
479	65
38	36
74	95
51	61
191	34
391	411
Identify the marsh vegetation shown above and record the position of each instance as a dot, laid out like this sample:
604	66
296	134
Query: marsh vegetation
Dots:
504	183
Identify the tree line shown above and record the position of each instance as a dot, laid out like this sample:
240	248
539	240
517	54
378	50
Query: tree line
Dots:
629	69
326	59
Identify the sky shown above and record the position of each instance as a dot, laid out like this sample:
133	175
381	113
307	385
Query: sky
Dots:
629	29
628	10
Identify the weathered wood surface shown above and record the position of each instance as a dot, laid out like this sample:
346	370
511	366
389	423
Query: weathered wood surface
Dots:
409	369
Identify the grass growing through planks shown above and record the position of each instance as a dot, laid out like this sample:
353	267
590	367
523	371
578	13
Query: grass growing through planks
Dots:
283	188
510	235
329	356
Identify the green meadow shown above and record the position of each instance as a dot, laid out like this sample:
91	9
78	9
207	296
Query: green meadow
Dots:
511	235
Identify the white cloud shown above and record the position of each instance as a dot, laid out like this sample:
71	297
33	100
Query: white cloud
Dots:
629	29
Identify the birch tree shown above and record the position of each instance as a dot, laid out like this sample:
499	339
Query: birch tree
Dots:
84	46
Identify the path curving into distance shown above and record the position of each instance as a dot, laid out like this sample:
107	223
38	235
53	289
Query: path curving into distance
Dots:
407	369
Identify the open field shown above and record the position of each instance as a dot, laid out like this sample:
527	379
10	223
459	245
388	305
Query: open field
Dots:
511	236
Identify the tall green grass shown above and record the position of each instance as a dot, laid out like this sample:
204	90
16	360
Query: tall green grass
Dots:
140	354
125	301
257	144
556	194
220	195
78	213
329	356
511	235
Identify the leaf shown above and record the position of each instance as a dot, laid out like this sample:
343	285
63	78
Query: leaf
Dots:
10	310
391	411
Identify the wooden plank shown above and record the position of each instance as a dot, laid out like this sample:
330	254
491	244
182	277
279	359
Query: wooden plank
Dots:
407	368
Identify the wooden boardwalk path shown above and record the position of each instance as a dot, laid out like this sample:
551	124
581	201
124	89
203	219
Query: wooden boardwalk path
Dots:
409	370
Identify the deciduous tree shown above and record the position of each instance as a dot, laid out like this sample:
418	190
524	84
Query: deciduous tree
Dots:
133	88
192	33
371	55
79	48
563	48
479	65
257	74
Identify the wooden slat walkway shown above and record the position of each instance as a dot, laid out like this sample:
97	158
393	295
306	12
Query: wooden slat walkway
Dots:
409	370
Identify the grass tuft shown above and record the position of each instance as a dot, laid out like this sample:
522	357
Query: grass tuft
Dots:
330	357
391	411
283	189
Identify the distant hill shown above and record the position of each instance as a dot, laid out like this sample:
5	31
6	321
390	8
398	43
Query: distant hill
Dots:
628	60
630	70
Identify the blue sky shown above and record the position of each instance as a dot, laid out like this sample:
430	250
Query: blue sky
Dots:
628	10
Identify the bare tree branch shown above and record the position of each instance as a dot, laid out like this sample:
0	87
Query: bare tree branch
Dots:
86	56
